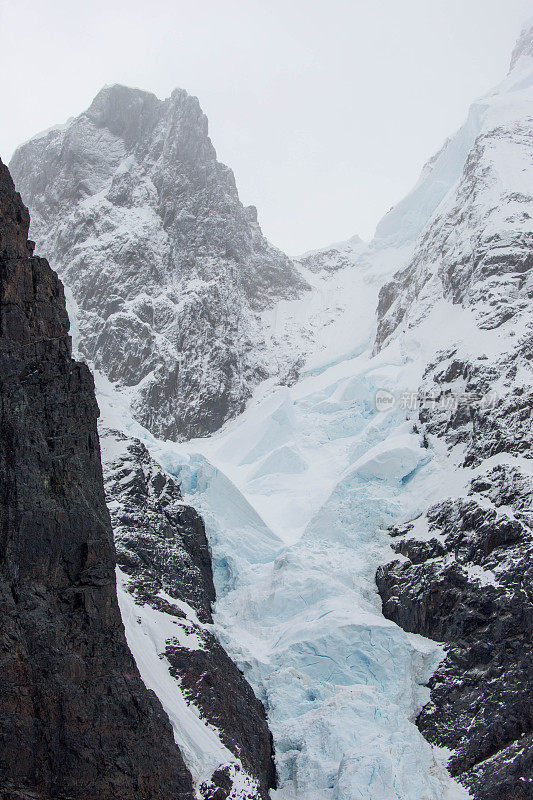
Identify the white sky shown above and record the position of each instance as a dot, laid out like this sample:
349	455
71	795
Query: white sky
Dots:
325	109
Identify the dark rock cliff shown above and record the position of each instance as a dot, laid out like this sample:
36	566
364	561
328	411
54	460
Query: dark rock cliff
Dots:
466	578
470	586
162	548
75	719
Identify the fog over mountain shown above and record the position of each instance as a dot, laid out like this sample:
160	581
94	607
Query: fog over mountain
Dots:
325	110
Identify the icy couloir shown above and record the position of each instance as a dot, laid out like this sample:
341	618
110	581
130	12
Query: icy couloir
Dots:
296	494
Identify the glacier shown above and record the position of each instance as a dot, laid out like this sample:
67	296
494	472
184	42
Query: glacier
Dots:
298	491
296	495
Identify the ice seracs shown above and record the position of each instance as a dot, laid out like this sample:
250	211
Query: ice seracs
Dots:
328	473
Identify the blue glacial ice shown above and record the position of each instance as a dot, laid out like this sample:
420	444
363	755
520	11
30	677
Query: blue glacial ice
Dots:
297	494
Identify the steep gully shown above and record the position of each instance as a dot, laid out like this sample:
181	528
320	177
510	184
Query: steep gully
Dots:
296	495
298	492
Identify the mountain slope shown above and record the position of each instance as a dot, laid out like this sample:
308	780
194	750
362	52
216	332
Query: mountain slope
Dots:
323	466
466	571
417	422
76	721
169	271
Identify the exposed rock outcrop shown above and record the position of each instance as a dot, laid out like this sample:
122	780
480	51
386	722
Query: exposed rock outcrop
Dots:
162	549
337	256
469	583
76	720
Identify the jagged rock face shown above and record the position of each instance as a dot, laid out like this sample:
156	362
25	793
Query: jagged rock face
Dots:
477	251
167	267
162	549
466	571
481	405
523	47
160	541
75	719
335	257
469	582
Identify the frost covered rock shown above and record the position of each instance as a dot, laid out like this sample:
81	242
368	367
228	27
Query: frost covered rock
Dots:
476	249
466	569
168	269
337	256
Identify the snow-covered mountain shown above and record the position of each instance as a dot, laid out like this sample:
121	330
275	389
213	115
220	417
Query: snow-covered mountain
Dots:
465	574
76	713
168	269
418	419
476	249
397	446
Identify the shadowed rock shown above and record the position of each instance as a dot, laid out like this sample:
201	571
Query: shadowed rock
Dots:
76	721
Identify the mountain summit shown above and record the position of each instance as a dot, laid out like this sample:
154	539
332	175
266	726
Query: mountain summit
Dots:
167	267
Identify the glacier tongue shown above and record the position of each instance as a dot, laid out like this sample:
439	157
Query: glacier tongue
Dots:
296	494
298	607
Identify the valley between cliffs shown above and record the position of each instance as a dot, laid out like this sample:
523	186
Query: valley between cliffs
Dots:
345	438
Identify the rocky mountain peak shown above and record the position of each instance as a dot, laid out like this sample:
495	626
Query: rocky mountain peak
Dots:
123	111
170	272
524	45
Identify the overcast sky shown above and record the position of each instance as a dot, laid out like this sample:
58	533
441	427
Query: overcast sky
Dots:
325	109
